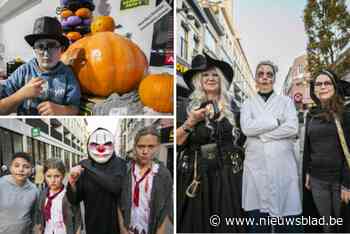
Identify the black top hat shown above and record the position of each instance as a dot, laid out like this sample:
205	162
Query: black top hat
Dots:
204	62
47	28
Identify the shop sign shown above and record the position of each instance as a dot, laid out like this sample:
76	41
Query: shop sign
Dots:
169	59
167	135
181	68
35	132
128	4
156	14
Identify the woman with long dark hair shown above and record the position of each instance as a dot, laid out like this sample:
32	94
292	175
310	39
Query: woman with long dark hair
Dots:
327	138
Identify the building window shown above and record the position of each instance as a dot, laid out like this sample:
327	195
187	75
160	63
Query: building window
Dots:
183	42
210	41
5	147
196	42
17	142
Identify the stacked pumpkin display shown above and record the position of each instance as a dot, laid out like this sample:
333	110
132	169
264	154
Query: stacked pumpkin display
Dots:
76	17
110	63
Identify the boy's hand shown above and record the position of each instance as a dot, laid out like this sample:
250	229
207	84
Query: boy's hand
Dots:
32	89
49	108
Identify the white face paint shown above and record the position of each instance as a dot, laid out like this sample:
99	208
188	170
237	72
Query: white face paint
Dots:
101	146
47	52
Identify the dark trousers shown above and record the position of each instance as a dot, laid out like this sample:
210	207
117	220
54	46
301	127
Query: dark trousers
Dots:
261	227
326	196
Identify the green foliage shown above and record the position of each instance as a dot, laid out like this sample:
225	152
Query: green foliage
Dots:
327	25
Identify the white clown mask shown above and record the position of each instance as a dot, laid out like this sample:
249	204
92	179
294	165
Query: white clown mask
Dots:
101	145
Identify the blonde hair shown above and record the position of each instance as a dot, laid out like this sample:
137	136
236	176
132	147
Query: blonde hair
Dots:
199	96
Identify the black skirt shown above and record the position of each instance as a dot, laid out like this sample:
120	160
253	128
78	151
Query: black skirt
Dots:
218	195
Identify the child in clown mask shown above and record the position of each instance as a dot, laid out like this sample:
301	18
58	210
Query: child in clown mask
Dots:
55	213
97	182
44	85
147	199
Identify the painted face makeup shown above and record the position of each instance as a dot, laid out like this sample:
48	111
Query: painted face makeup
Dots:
101	146
48	53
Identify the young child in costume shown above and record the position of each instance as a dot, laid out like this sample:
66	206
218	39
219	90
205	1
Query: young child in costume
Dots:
55	213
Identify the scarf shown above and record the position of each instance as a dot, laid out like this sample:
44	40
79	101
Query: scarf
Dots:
47	208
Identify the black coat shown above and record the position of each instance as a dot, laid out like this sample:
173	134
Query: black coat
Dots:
99	187
309	208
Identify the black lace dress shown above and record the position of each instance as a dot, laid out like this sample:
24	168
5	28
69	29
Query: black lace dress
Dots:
220	176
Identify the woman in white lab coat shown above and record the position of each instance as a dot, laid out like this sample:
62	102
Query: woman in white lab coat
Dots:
270	177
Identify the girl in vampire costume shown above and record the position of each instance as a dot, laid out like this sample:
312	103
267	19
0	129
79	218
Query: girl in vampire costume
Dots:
97	182
326	173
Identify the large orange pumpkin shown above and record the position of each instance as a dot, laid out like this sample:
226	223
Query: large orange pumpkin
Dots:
102	23
156	91
108	63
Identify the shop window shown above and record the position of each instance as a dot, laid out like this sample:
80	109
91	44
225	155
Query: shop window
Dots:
162	51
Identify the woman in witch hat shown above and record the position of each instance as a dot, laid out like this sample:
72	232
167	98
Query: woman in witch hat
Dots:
210	163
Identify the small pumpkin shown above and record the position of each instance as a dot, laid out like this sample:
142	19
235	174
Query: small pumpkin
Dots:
83	13
66	13
108	63
156	91
73	36
102	23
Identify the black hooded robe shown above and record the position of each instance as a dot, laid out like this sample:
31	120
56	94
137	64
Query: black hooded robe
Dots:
99	187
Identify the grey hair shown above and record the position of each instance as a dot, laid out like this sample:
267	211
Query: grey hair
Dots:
199	96
268	63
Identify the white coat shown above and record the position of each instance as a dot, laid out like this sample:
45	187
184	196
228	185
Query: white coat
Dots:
270	176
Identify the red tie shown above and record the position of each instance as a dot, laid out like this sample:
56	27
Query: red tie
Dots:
47	208
136	197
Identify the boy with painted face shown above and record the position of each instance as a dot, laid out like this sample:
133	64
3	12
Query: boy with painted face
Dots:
18	197
44	85
147	194
97	182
